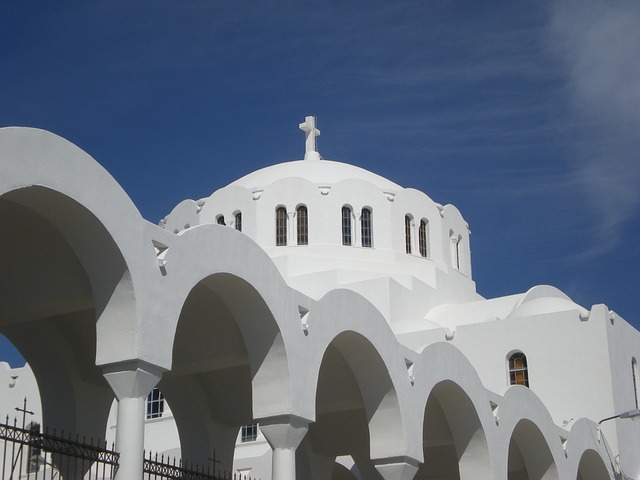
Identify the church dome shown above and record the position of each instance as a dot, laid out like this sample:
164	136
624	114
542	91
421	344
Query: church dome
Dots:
327	223
320	172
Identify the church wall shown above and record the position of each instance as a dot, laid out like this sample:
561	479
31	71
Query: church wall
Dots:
420	207
455	230
227	202
623	343
571	377
16	384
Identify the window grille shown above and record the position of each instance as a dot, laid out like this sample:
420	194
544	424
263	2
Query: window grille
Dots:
249	433
407	234
518	371
155	404
281	226
302	216
366	227
220	220
422	239
346	226
238	221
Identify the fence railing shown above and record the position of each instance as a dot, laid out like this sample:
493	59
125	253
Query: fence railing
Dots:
27	453
157	467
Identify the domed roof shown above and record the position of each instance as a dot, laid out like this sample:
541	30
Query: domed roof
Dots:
312	168
323	172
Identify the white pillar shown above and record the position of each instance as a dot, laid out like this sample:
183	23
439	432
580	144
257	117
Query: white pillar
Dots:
397	468
284	434
131	382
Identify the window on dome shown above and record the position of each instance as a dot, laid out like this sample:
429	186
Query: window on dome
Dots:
407	234
238	221
281	226
220	220
249	433
455	250
518	372
346	226
636	380
423	244
302	224
366	227
155	404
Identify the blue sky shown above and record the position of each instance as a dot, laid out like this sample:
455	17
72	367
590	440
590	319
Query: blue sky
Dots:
525	115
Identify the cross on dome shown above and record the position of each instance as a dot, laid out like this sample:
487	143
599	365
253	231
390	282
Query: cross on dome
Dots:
311	132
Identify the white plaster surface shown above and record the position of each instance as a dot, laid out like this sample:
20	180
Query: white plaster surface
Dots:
396	364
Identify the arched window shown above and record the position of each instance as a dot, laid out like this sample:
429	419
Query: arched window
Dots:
455	250
518	372
155	404
422	239
636	380
407	234
302	216
366	227
239	221
281	226
346	226
220	220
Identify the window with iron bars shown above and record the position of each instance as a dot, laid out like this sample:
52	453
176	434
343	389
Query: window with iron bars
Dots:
346	225
155	404
281	226
366	228
302	215
249	433
518	371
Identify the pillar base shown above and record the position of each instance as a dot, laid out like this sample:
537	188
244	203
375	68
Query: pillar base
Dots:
284	433
131	382
397	468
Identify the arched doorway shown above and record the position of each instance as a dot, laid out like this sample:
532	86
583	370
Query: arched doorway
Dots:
591	467
227	347
354	392
62	271
529	455
454	441
51	297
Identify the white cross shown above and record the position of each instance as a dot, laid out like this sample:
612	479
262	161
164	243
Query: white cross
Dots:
311	132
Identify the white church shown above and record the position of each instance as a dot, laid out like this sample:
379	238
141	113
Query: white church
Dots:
311	320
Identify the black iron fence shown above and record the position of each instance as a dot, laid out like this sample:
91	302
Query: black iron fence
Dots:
157	467
28	453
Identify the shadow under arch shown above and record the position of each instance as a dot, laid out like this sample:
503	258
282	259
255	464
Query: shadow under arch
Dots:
588	453
591	466
63	275
357	409
228	353
454	441
529	455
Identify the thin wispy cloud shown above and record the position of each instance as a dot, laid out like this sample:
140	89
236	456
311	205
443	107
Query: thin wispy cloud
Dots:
598	45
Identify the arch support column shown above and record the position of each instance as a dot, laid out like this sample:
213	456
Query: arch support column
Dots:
131	382
397	468
284	434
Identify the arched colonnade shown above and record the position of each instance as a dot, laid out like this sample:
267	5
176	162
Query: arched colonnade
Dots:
102	304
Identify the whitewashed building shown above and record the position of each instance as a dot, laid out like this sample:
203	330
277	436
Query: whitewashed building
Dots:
329	305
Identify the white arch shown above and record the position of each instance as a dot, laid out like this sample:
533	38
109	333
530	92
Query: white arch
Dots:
269	320
587	454
55	179
522	413
342	316
444	372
